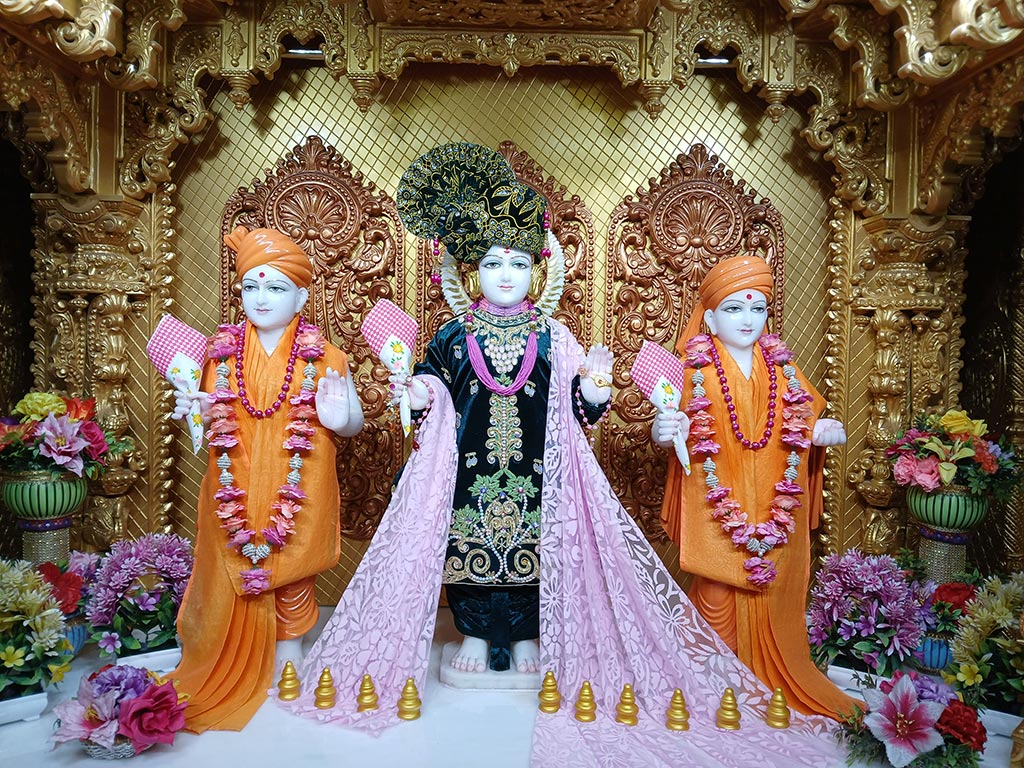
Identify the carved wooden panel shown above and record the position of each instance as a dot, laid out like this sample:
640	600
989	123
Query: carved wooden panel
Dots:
573	224
660	247
354	237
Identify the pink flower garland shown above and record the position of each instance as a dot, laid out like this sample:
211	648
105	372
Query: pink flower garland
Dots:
758	539
309	344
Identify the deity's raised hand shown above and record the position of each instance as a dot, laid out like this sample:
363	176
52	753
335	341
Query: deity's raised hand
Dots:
332	401
665	426
419	395
828	432
596	375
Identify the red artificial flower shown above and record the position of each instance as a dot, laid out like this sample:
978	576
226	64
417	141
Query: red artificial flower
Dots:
80	410
96	438
984	457
960	722
956	593
66	588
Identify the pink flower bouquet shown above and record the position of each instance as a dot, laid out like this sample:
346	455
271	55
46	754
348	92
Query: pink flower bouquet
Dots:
50	432
951	448
914	720
119	706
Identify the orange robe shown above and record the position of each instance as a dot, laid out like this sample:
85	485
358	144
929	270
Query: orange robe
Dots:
228	638
765	626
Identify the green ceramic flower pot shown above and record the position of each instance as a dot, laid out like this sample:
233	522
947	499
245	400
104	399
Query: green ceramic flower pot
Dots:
42	495
950	507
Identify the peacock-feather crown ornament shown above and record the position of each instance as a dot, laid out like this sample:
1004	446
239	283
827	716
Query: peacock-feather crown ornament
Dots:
467	198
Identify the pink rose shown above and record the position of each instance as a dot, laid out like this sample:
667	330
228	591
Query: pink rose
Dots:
93	433
926	473
903	469
154	717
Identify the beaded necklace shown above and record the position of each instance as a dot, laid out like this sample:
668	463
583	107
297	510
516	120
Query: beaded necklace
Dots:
309	344
472	324
760	538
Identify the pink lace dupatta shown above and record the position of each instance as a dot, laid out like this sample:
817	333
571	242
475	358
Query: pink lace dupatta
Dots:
384	624
610	613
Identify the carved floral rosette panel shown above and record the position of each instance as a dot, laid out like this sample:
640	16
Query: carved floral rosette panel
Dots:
660	247
573	224
354	237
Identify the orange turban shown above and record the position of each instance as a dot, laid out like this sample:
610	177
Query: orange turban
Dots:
271	248
726	277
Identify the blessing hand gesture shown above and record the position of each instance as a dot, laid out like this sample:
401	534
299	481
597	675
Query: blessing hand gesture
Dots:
596	375
334	403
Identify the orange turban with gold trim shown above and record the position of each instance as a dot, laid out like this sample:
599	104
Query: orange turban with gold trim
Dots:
727	276
271	248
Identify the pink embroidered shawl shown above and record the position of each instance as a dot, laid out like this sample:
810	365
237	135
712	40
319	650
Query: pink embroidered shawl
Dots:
610	613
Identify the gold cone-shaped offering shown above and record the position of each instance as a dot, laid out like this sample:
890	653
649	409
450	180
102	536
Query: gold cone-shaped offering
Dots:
367	698
728	716
586	707
550	698
777	715
627	709
323	696
409	703
677	717
288	685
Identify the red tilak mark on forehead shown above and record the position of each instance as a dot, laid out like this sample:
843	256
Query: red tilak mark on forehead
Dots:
749	295
262	274
507	250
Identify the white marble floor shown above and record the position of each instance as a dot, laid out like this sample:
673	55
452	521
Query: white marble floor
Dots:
454	725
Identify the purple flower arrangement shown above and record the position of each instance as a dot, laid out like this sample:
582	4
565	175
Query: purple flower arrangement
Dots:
138	588
864	609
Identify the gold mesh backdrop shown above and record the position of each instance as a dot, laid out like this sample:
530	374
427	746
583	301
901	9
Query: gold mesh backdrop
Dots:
578	124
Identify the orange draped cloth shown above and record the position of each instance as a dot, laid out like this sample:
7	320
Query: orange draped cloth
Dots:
228	638
764	626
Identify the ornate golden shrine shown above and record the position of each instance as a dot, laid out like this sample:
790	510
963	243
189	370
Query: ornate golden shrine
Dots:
863	123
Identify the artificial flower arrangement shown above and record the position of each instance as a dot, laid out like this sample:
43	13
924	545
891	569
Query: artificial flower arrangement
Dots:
50	432
914	720
120	711
948	449
947	601
949	605
138	588
71	582
33	649
988	652
866	610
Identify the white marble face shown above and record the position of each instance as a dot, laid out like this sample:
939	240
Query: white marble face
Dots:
505	275
270	299
739	320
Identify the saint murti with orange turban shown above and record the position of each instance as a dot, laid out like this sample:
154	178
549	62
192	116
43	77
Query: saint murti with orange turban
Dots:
743	521
274	391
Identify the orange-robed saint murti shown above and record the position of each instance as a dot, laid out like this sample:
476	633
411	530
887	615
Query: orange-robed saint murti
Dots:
228	638
765	626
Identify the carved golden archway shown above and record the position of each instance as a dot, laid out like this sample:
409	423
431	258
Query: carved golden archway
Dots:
660	247
354	237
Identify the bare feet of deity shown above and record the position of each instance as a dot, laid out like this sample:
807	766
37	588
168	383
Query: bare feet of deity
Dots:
526	655
472	655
